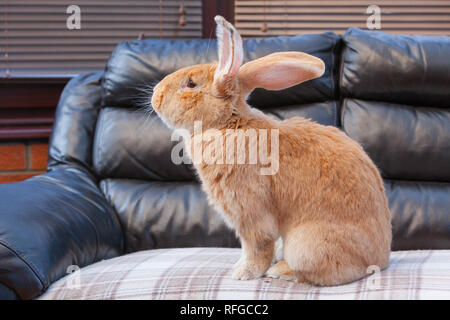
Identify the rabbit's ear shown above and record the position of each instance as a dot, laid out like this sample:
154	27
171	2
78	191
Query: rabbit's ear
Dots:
230	53
280	70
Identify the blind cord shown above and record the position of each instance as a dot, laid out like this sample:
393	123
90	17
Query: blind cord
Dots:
160	19
264	25
6	36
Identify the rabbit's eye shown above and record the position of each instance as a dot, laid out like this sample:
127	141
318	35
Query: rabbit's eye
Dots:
191	84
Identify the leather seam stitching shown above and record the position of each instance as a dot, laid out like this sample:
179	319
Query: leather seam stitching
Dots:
24	260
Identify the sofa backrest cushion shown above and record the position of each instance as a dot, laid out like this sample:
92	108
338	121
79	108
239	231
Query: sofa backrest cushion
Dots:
412	70
137	65
131	144
406	142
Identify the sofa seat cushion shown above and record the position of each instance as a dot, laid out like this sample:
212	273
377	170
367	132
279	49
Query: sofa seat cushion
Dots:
204	273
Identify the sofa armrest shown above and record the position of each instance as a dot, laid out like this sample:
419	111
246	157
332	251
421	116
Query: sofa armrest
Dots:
51	222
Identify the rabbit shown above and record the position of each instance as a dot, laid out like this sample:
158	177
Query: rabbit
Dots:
326	202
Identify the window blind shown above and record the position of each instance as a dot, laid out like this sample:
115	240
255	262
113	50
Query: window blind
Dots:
36	42
290	17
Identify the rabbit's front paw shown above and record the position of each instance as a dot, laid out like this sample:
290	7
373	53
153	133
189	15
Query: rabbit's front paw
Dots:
245	271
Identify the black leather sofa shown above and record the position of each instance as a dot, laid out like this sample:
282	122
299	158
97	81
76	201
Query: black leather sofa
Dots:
111	188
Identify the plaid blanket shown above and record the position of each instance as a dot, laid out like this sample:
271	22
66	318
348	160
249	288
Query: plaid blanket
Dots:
204	273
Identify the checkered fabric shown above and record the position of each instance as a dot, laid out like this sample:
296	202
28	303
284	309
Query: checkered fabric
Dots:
204	273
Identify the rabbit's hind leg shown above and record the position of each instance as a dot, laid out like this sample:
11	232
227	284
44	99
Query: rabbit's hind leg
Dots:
281	270
324	254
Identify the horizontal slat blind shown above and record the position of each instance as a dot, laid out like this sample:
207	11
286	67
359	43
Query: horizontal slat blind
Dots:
290	17
39	43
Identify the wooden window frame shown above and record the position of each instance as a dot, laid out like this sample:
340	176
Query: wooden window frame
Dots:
27	105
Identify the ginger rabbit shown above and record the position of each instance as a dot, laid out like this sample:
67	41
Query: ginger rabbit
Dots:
325	197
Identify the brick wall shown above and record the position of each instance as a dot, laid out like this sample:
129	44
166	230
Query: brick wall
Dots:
22	160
